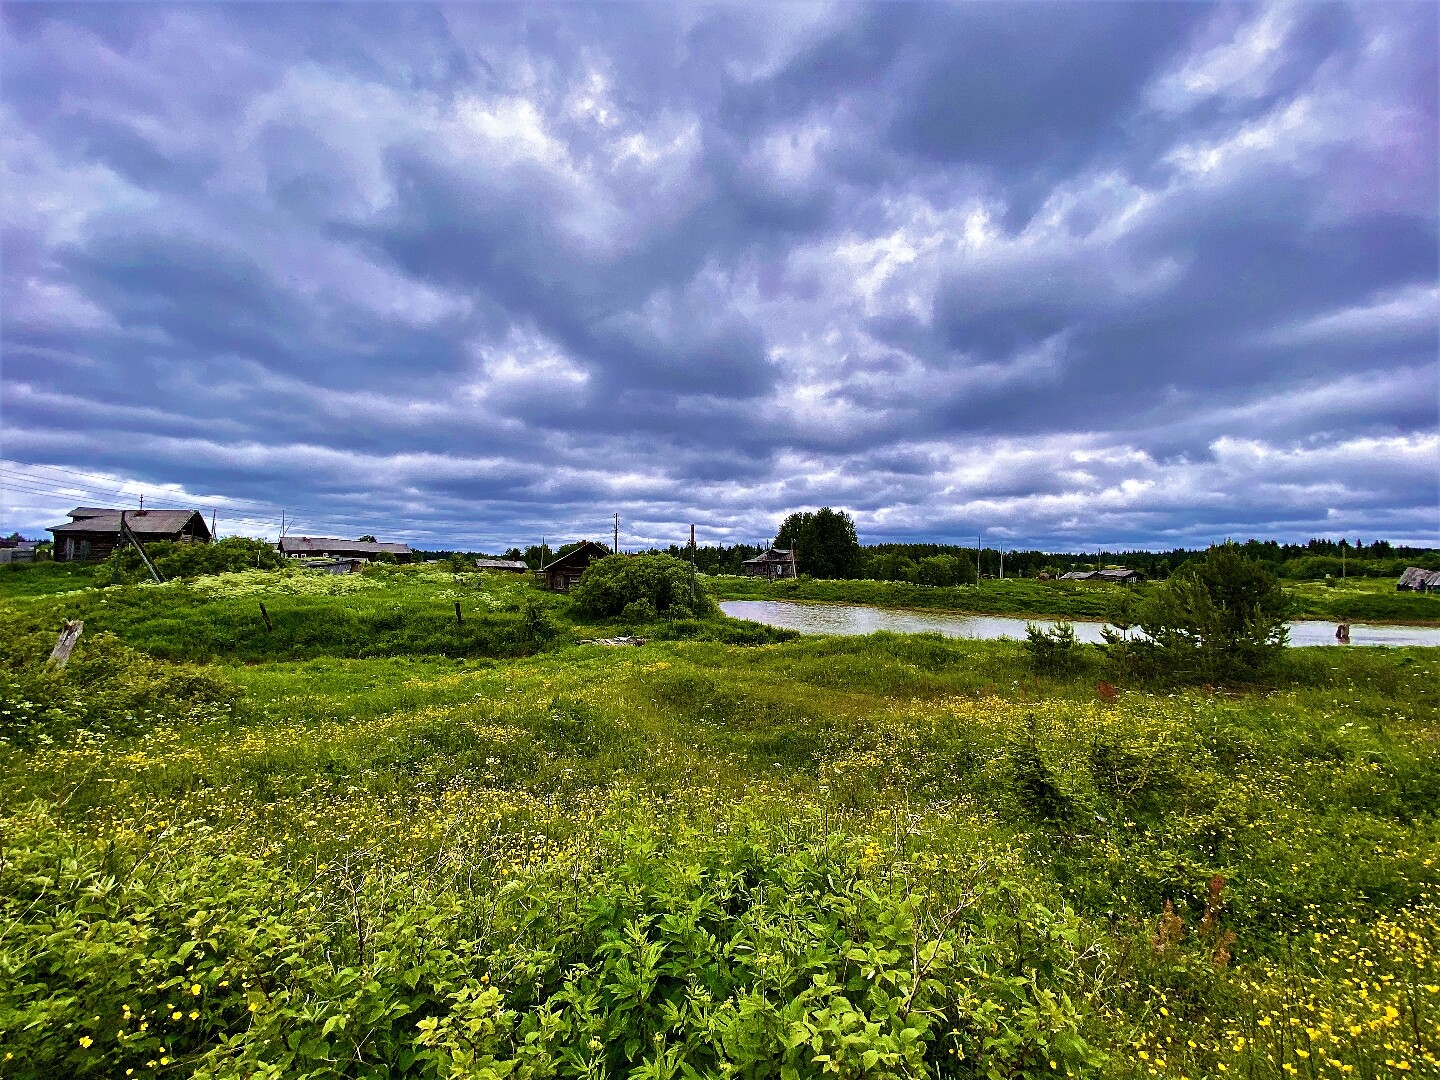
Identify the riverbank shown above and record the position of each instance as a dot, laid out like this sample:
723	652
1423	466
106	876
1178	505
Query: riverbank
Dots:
1370	601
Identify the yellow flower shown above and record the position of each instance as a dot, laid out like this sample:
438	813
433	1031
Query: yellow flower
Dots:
86	1042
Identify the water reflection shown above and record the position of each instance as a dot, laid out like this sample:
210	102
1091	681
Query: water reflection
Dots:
857	619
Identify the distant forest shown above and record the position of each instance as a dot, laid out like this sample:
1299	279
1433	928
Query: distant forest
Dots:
949	564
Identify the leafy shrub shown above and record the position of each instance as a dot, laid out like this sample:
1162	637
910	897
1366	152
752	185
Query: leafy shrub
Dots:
676	950
172	560
664	582
1219	619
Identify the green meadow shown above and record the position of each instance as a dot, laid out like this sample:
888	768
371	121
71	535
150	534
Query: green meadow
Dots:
372	840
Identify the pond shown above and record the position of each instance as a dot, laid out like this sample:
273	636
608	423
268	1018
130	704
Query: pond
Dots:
858	619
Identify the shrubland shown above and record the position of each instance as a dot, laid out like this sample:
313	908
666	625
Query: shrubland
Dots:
882	856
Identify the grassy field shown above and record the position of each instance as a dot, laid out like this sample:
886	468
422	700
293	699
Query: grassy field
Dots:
722	854
1355	600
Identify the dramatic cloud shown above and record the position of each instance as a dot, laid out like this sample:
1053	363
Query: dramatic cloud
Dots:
1066	273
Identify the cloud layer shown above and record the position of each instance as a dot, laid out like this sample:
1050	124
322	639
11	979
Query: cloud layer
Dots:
1071	273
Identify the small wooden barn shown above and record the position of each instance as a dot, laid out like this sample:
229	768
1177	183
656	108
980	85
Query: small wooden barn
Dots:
513	566
93	533
1418	579
1079	575
772	563
563	574
1121	576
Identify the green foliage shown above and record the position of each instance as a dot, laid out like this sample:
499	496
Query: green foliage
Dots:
173	560
944	570
900	855
106	690
1220	619
824	541
1055	651
610	586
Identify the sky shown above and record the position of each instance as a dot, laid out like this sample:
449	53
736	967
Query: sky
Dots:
1069	275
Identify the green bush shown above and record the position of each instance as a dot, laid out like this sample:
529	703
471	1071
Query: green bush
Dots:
664	582
173	561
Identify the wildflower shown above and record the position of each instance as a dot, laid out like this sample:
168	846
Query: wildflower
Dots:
86	1042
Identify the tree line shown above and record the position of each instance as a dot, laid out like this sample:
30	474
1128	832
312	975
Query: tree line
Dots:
827	546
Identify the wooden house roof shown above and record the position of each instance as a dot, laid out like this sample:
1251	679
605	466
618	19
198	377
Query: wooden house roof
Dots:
502	564
330	545
771	555
141	522
584	555
1417	577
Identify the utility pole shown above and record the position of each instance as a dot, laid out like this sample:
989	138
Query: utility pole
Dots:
616	548
1002	564
692	564
213	537
977	560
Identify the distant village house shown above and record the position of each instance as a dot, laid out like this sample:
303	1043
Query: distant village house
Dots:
514	566
1117	576
93	533
16	550
772	563
1418	579
563	574
309	547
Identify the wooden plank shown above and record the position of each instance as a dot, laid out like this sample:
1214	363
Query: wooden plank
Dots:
69	635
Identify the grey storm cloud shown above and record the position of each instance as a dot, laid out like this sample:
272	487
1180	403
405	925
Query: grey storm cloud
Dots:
1069	273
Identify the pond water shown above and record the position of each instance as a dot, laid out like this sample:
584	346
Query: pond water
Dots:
859	619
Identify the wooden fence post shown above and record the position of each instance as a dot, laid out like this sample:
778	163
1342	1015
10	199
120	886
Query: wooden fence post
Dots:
458	620
69	635
266	616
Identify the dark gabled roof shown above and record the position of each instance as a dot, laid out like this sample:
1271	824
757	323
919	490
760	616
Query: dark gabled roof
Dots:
771	555
326	545
141	522
1079	575
87	511
588	551
1118	574
1417	577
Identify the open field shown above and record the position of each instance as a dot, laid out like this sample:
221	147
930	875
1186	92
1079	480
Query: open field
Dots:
722	854
1356	600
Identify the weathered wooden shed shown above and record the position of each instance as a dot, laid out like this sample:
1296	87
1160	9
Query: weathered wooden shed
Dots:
772	563
331	547
93	533
563	574
1418	579
1121	576
514	566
